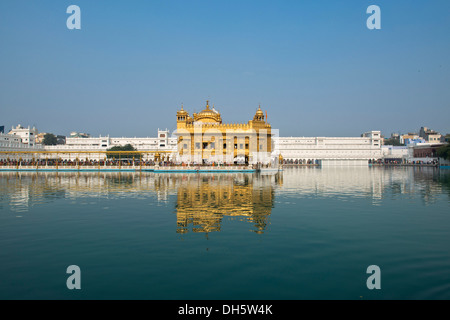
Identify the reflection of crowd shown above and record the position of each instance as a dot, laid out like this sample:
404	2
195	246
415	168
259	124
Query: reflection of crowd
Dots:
402	162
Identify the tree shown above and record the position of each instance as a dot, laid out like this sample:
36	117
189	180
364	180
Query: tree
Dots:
127	147
444	152
447	137
392	142
49	139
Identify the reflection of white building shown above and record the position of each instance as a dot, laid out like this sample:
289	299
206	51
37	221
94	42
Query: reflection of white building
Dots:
25	189
335	181
362	182
331	150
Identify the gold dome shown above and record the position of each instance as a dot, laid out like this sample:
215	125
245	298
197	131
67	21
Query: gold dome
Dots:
207	115
259	115
259	112
182	111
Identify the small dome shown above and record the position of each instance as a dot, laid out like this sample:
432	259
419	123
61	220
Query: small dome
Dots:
259	112
182	111
259	115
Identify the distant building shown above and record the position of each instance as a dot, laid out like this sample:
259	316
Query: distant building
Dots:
410	136
430	135
414	141
9	143
375	136
39	139
426	150
28	135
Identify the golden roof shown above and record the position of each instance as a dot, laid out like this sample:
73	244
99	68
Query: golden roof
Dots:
182	111
259	115
208	115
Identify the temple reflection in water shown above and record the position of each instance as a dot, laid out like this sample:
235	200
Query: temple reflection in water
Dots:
203	201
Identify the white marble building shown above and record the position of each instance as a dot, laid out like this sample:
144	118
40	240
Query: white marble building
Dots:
27	135
327	151
13	142
162	144
330	150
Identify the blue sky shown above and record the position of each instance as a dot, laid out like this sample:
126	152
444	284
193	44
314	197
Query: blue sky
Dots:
313	65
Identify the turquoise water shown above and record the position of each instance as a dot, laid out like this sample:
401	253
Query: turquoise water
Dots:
305	233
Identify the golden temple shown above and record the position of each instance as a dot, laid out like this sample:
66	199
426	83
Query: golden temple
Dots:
205	138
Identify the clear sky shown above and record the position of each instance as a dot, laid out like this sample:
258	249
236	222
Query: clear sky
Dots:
313	65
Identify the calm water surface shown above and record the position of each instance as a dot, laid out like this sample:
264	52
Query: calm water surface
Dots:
305	233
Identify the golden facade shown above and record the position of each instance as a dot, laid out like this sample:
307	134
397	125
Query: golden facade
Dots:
205	138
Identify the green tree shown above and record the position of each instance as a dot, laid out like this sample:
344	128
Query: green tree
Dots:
392	142
447	137
444	152
49	139
127	147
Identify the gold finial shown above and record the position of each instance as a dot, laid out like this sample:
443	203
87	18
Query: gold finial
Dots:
207	104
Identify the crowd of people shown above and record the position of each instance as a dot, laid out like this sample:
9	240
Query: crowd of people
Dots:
402	162
108	162
137	162
85	162
301	161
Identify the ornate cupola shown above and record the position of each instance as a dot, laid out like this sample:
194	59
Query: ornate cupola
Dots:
259	115
183	118
182	114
